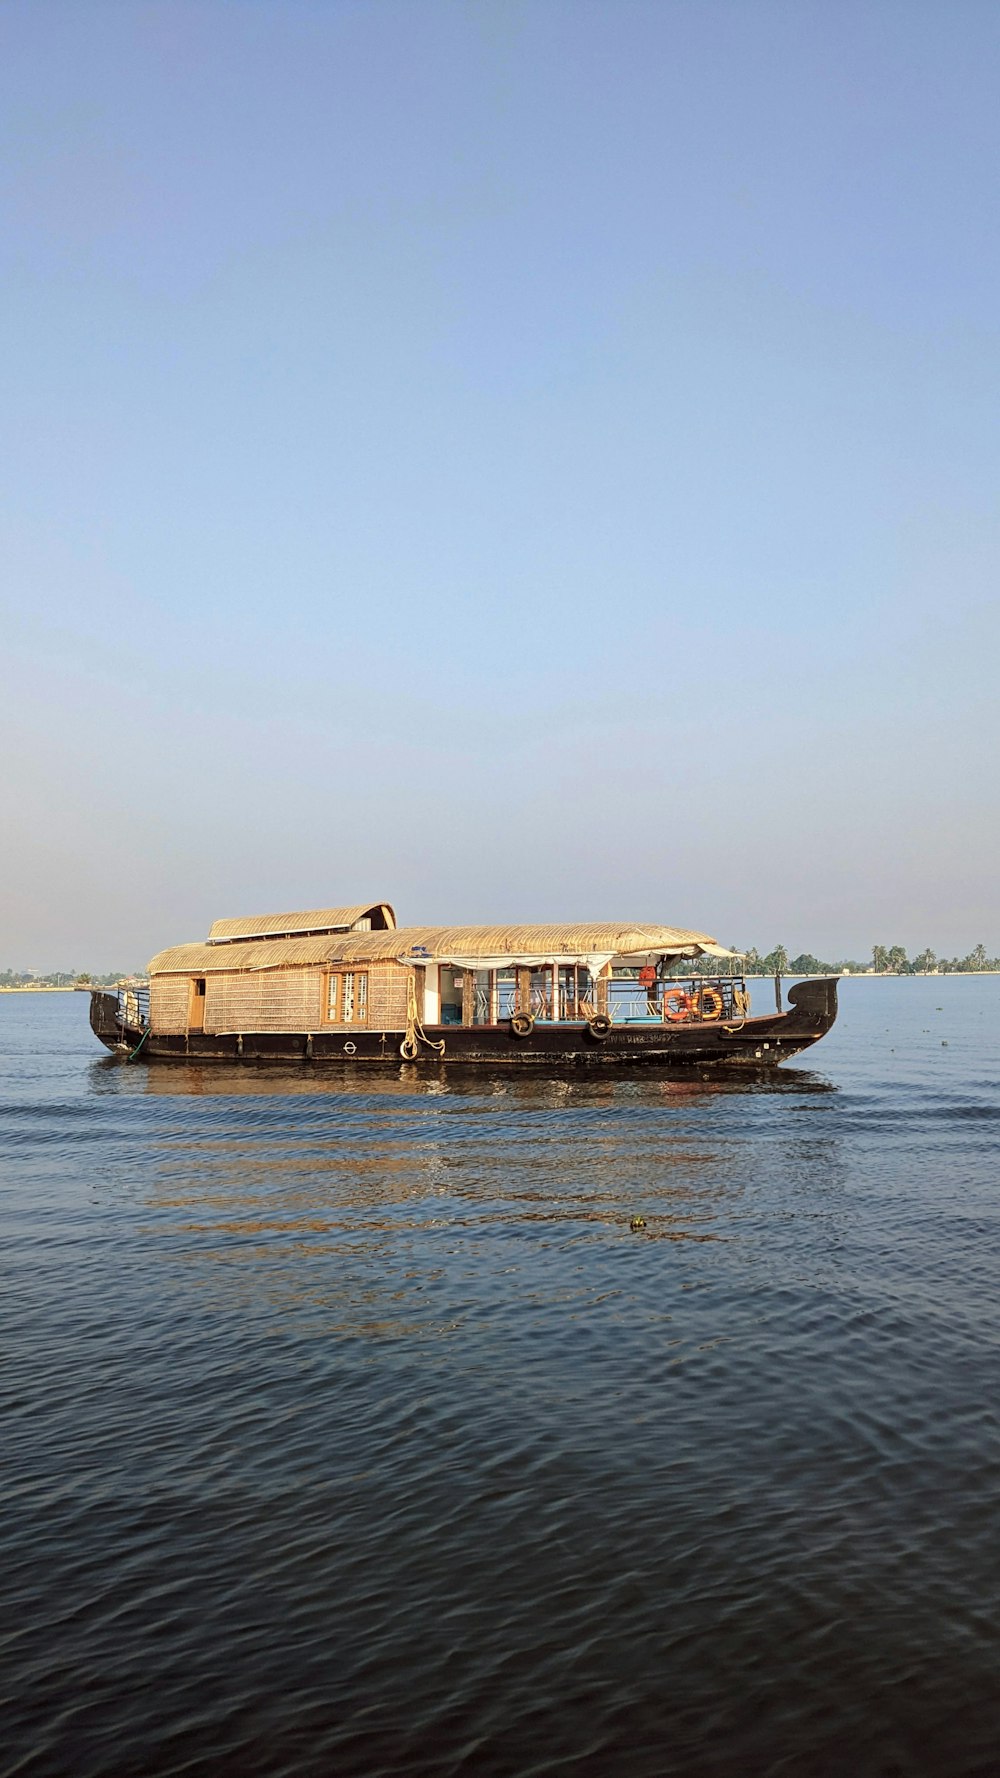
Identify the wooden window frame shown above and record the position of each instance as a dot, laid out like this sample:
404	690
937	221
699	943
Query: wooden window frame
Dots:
335	997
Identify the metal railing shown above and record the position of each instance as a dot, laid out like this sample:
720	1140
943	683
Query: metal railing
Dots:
116	1010
690	1000
133	1005
678	1001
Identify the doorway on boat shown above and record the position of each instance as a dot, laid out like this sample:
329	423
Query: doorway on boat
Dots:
452	988
196	1004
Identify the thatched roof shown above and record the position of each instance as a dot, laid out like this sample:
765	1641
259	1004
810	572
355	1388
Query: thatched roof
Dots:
421	944
313	921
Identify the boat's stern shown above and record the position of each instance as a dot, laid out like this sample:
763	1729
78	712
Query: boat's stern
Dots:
119	1016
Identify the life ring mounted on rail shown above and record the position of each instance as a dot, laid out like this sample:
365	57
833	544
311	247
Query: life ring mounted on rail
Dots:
711	1003
679	1006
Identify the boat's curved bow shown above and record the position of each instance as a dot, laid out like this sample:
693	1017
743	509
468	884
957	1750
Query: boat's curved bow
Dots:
816	999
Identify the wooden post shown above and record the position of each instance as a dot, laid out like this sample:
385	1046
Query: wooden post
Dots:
524	990
602	990
468	997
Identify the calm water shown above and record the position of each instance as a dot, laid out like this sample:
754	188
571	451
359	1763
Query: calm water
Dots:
349	1429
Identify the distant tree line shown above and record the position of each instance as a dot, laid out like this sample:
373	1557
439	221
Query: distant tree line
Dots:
885	960
58	978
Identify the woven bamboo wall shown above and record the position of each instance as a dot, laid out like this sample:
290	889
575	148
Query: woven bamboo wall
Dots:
169	996
387	996
275	1000
264	1000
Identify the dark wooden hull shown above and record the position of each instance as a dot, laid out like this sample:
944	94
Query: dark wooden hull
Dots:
757	1042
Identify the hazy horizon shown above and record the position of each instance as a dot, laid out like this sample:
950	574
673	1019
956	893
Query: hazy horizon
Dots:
863	956
534	461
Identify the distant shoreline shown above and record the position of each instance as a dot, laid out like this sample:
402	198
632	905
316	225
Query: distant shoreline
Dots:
880	975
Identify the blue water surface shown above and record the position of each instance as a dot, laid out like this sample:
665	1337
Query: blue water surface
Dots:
349	1428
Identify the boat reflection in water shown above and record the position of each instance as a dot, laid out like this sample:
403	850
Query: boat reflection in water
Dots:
289	1184
405	1081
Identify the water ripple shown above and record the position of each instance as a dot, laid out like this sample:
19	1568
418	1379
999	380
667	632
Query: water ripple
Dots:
350	1428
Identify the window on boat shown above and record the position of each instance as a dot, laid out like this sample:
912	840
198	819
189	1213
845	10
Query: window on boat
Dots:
347	997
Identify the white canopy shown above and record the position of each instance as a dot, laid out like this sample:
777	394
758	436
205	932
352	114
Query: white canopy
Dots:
595	961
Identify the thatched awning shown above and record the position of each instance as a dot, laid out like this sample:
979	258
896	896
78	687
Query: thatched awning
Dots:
314	921
482	947
491	947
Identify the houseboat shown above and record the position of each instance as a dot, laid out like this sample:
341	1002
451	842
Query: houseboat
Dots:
348	984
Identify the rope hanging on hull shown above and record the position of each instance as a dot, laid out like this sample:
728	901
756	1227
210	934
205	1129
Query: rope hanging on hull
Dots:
415	1033
741	1009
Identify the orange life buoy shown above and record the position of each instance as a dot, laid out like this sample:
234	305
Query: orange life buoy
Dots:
711	1003
678	1006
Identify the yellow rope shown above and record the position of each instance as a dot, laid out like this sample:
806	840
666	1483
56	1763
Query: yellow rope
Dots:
415	1033
741	1006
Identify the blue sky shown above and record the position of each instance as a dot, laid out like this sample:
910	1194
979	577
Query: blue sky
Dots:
521	460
